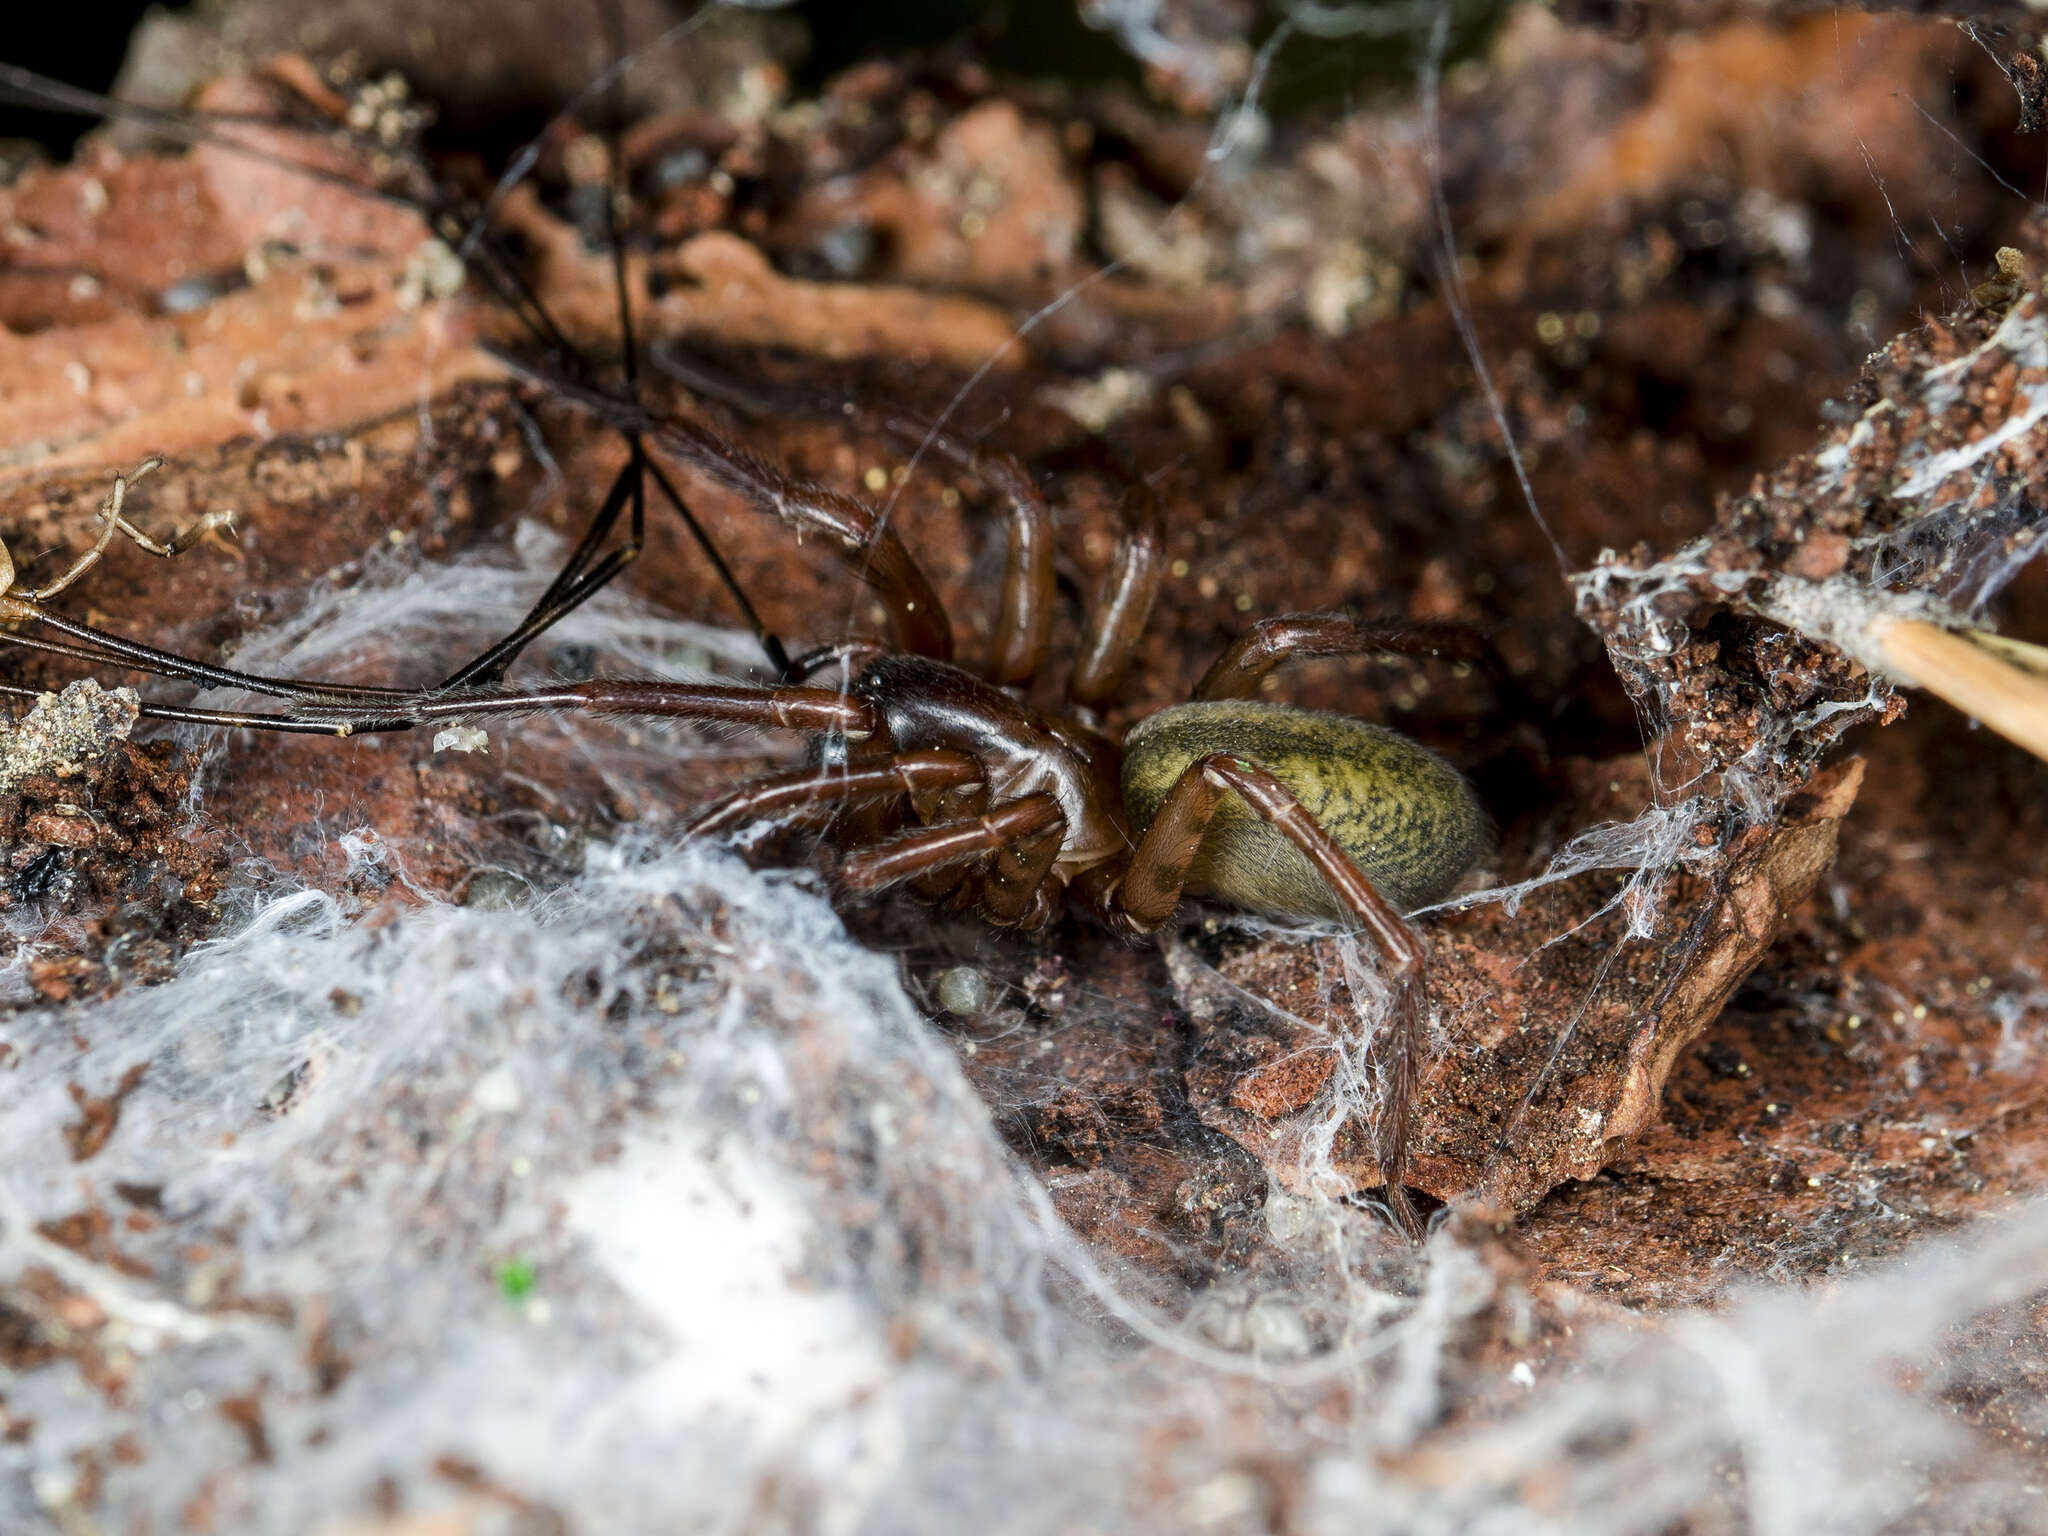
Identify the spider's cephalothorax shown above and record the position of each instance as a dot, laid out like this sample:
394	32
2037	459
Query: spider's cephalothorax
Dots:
1052	769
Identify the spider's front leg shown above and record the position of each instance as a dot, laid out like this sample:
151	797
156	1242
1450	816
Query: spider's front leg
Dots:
1238	672
1123	606
1159	869
858	533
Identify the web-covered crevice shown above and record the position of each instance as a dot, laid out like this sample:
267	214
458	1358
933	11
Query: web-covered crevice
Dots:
657	1196
1926	506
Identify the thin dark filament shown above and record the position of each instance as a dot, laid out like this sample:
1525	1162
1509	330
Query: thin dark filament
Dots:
182	714
778	657
99	647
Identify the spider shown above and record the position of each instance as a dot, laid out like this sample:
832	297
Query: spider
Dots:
974	796
997	806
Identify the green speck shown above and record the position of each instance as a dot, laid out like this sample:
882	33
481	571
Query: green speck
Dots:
515	1279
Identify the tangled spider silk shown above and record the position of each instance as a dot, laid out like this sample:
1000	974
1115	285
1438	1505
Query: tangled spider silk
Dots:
487	1153
657	1201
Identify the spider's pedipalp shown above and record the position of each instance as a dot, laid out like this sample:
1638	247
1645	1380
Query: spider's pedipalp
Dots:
907	773
949	844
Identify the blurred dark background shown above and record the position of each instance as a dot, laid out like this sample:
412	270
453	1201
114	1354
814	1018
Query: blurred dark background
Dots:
81	43
84	43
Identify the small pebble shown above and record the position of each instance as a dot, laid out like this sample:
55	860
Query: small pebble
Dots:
191	294
1287	1216
963	991
462	738
496	890
1276	1330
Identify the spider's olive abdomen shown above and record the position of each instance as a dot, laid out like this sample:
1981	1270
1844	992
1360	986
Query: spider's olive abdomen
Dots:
1407	818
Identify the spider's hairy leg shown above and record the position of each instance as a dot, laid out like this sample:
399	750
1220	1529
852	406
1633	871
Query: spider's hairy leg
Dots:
781	708
1023	625
907	773
348	709
1158	870
1123	606
857	531
1238	672
1015	891
1023	631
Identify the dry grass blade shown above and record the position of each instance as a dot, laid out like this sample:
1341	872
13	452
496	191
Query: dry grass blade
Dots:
2003	683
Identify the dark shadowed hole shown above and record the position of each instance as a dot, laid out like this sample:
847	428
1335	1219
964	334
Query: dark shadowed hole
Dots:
83	44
